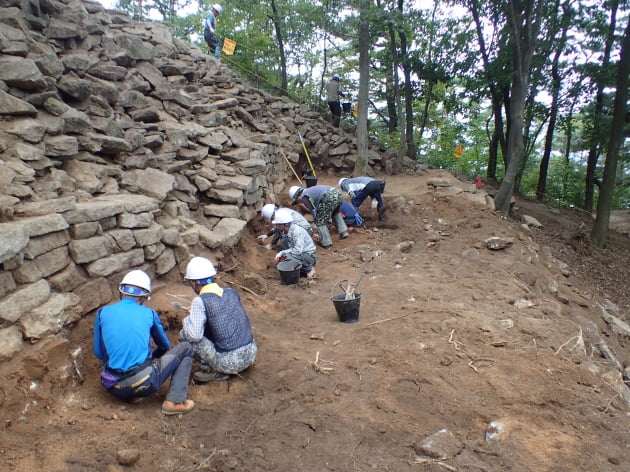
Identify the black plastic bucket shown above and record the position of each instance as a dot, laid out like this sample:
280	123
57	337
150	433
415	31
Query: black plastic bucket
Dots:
289	272
347	310
347	107
310	180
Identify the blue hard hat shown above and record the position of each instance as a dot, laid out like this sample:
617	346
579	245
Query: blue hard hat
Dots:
336	77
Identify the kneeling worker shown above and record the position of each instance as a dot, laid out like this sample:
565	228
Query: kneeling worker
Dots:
122	336
268	212
217	327
300	247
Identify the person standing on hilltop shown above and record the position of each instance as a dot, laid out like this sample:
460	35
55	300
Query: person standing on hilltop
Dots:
333	92
210	26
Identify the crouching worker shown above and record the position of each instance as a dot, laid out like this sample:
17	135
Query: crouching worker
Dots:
122	340
359	188
324	203
300	247
217	327
268	212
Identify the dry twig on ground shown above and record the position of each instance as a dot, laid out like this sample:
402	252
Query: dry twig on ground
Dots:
319	368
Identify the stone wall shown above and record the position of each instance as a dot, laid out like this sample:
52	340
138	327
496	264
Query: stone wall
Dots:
123	147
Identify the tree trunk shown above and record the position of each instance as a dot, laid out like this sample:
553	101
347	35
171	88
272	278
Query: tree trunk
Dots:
283	58
360	165
553	115
425	111
396	84
599	233
411	145
594	152
525	22
498	136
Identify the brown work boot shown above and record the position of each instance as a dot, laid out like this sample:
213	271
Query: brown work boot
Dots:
172	408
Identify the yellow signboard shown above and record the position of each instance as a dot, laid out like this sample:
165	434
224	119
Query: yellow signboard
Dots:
228	46
459	152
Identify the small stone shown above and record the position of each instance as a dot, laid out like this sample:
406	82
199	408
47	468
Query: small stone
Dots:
128	456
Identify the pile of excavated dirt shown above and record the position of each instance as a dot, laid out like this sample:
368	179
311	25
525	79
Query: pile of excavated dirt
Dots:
481	345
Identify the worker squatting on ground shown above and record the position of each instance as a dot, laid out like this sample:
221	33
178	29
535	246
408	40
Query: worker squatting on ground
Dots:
333	92
122	337
268	212
300	247
210	26
359	188
217	327
324	203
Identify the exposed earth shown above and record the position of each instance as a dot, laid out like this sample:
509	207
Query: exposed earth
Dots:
464	358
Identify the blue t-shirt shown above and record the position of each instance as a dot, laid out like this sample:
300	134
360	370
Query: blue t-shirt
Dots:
123	333
211	22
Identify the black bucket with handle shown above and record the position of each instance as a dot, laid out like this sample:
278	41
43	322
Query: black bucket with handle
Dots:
347	107
289	272
347	309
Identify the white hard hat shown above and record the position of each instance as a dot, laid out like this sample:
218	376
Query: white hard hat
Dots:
200	268
136	283
295	191
283	216
216	7
267	211
341	180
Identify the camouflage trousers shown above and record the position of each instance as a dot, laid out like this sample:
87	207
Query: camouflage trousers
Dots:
231	362
328	209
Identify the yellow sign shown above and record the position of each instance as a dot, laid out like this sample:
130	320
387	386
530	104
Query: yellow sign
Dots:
459	152
228	46
355	112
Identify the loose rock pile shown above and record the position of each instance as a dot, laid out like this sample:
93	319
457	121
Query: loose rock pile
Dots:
123	147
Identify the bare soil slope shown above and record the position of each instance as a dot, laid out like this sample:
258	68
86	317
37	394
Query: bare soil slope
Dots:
494	348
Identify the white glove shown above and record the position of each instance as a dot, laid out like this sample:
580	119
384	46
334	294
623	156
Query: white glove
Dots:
262	237
280	257
268	246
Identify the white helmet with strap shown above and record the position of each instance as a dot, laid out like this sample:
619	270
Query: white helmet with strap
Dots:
200	268
294	192
136	283
216	7
341	181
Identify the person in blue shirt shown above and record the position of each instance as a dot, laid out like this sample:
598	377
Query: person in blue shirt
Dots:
122	340
210	26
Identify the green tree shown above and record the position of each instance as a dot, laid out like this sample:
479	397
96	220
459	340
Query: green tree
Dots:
524	18
604	203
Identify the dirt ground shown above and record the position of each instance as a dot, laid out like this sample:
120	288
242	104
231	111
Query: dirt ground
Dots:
463	358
